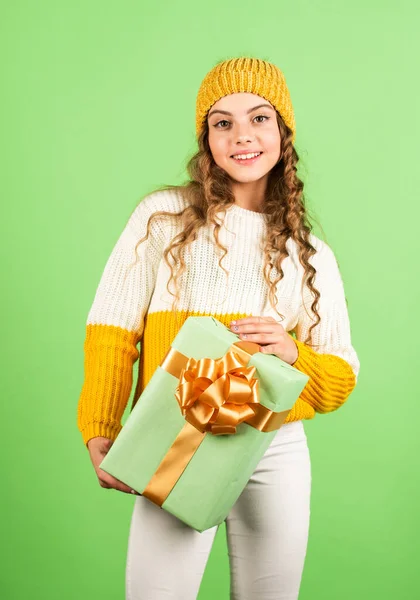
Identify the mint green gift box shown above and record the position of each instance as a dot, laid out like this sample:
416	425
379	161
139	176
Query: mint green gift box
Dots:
222	464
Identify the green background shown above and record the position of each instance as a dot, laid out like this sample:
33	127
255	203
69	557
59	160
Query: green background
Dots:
98	109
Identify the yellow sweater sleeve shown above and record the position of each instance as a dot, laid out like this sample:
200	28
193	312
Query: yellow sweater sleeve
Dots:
115	324
110	353
331	378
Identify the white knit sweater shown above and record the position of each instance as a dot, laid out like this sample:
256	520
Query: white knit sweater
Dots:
204	285
132	304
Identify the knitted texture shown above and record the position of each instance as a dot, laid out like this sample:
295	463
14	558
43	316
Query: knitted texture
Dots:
245	75
132	305
331	382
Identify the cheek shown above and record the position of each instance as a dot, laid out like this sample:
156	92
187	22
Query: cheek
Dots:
272	142
218	148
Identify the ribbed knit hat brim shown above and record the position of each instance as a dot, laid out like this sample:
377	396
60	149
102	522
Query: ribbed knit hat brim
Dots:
245	75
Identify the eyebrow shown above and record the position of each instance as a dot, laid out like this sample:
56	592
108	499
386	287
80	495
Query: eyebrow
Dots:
225	112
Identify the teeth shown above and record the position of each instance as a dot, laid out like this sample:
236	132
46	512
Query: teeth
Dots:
245	156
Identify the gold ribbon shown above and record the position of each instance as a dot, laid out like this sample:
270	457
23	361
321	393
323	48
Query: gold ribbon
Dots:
215	396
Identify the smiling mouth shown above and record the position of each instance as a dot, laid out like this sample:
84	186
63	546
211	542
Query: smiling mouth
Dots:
246	158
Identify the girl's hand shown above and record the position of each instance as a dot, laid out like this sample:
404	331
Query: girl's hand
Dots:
269	334
98	447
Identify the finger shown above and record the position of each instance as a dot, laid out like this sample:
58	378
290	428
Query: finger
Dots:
261	338
114	482
115	485
103	483
106	478
270	349
121	487
124	489
262	326
246	320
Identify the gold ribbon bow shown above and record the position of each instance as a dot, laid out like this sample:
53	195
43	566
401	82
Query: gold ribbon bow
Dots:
215	396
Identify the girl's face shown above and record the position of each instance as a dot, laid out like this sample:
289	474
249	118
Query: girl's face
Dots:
240	124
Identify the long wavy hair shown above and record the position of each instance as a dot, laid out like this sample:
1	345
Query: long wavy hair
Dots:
208	192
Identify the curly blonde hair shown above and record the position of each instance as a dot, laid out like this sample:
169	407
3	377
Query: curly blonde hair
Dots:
208	192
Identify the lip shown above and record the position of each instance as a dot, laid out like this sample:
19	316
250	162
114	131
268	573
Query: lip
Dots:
248	161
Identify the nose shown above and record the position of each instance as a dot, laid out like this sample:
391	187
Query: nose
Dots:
245	139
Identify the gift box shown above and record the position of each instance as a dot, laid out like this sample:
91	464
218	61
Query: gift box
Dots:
203	422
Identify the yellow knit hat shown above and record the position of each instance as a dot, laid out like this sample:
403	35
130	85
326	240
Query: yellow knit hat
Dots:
245	75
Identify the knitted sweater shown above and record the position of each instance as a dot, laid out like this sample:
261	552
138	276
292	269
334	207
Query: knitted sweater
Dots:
132	305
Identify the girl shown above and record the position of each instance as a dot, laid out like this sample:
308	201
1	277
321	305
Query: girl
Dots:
233	242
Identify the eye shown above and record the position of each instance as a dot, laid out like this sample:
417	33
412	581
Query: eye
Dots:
264	117
261	116
218	123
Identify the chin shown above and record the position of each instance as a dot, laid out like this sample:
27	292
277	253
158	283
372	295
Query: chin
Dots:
246	180
246	177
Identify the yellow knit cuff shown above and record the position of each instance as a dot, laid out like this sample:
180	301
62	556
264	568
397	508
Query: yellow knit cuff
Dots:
331	378
95	429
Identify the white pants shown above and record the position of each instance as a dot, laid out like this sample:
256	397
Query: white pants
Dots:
267	534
